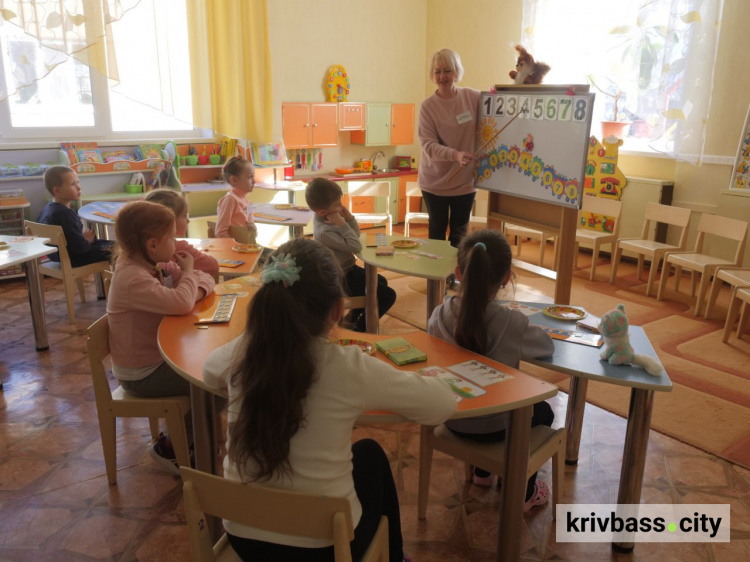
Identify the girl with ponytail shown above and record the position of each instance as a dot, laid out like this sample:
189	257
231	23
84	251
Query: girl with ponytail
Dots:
476	321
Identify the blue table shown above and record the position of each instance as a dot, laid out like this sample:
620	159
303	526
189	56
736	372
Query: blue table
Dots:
583	364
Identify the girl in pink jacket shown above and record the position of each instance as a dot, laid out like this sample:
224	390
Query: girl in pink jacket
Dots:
138	300
202	261
234	209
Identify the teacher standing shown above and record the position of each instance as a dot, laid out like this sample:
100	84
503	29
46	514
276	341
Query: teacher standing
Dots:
447	125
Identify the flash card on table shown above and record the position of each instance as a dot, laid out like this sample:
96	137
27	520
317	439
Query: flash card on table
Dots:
459	386
594	340
479	373
272	217
524	309
105	215
400	351
384	251
230	263
427	254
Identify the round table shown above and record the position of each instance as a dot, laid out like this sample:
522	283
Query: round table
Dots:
296	218
99	215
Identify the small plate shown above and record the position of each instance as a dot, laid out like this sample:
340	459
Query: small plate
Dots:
283	206
4	245
247	248
563	312
364	346
404	243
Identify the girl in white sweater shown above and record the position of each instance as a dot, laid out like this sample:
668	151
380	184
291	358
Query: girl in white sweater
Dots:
476	321
294	398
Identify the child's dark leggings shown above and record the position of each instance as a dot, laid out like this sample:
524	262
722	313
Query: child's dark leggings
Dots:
373	482
543	415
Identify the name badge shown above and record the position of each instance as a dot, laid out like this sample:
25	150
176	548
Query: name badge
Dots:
463	118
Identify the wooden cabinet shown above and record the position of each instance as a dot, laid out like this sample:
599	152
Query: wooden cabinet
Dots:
351	116
386	124
306	125
402	123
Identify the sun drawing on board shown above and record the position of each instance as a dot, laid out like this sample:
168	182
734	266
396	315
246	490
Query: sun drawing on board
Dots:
487	130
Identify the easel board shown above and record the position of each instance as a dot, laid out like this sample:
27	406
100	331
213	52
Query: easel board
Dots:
740	179
541	155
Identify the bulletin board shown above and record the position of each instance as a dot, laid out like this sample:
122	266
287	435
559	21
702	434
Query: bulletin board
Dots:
741	172
541	154
532	145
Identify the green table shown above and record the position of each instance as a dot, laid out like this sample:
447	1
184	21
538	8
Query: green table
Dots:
408	262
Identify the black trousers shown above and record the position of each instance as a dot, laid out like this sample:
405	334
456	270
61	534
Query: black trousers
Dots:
373	482
445	211
542	415
356	283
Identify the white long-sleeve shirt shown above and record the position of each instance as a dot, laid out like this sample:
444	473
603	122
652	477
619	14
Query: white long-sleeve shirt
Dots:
348	384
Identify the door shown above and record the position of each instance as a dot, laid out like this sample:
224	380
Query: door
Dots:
325	131
402	123
295	124
378	124
351	116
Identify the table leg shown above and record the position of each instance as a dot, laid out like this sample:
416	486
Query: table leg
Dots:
435	295
371	298
574	417
36	302
513	489
295	231
634	453
204	416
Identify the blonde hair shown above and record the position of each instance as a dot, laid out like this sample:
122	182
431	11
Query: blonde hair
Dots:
234	167
450	59
169	198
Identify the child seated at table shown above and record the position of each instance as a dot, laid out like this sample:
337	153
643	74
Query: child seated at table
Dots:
234	209
475	321
139	299
336	228
294	398
83	247
179	206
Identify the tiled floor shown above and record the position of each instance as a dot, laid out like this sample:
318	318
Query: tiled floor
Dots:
56	505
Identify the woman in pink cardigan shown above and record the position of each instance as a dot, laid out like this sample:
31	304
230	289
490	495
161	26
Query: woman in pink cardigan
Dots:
447	125
138	300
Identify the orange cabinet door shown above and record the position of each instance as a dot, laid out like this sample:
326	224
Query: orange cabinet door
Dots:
295	124
325	130
402	123
351	116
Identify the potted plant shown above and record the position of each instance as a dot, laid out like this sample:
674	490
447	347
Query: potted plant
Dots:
616	126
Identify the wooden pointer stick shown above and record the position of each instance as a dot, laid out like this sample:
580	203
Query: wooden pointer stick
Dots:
485	145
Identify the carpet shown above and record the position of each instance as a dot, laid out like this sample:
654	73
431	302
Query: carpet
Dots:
709	406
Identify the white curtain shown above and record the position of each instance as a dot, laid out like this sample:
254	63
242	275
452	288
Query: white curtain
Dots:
660	54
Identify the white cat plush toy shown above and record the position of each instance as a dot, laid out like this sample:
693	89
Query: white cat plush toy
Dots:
614	330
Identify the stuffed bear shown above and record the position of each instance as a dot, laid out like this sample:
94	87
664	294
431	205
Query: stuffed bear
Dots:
614	330
527	70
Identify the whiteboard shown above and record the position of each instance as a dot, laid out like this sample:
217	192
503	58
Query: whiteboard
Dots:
541	154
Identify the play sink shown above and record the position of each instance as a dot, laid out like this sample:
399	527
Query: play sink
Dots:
387	171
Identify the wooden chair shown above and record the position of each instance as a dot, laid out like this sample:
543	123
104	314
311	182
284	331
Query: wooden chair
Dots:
545	443
107	280
521	232
699	262
278	511
373	189
211	229
111	405
609	208
736	277
413	192
738	303
243	234
70	276
645	246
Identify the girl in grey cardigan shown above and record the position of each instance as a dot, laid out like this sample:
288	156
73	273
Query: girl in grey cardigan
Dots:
476	321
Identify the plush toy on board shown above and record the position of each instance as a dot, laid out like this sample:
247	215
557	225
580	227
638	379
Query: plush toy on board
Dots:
527	70
614	329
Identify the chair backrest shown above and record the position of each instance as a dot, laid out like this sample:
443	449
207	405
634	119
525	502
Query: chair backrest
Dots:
98	347
56	238
673	216
731	229
211	227
602	206
368	189
241	234
412	189
269	509
107	279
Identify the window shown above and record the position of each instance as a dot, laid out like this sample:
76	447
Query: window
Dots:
655	58
141	90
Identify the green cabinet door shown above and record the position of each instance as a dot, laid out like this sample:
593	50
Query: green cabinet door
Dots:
378	126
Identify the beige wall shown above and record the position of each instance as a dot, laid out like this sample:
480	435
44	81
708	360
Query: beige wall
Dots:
385	45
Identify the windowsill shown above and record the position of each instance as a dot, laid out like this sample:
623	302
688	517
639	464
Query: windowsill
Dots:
48	144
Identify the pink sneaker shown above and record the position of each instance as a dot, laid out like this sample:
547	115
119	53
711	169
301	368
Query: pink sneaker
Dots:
484	481
539	497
